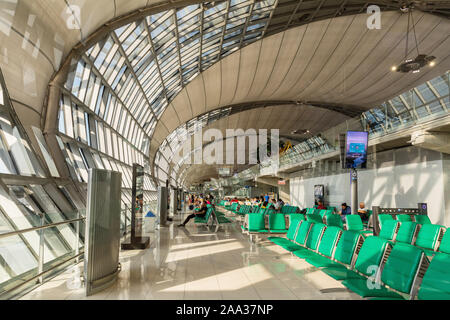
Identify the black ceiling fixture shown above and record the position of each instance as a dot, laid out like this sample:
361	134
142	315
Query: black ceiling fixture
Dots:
422	60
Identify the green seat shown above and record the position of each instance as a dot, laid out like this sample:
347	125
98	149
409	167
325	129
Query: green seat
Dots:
221	220
368	262
326	248
314	237
406	232
234	207
428	237
401	267
360	286
370	256
445	242
422	219
322	213
344	253
333	220
404	217
314	218
205	219
296	216
290	235
256	223
354	223
436	281
277	223
384	217
242	210
389	229
300	237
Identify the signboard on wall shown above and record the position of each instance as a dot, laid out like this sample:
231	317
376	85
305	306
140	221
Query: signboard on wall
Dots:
356	149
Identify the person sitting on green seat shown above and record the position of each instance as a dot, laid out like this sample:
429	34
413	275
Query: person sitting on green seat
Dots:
345	211
200	213
272	204
320	205
278	205
362	211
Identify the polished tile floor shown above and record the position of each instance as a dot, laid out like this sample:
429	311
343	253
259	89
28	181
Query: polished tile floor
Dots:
195	263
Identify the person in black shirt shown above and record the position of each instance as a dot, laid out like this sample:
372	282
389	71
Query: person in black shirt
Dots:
200	213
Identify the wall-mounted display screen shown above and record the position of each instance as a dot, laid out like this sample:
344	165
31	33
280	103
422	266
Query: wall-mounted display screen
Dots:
356	149
319	191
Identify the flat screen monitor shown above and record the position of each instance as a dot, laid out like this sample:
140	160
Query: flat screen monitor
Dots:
356	149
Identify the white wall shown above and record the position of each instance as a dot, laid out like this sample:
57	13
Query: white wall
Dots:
394	186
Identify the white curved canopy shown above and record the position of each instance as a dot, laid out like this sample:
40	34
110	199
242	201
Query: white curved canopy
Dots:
336	61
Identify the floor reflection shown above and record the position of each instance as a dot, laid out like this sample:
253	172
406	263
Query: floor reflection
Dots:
196	263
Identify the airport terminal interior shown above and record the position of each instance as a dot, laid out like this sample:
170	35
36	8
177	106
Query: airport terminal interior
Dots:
224	150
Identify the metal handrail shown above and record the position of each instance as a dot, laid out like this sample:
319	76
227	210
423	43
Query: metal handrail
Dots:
16	232
41	274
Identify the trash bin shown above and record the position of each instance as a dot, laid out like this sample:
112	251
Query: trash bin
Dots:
150	222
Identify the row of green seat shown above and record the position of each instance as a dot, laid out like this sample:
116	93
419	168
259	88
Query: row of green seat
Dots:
256	223
222	203
353	222
217	218
328	218
328	208
395	265
289	209
431	238
419	218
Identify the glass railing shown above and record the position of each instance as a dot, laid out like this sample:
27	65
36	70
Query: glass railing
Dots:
30	256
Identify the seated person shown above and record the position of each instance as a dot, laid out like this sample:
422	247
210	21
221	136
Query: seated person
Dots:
200	213
320	206
261	201
362	211
272	204
264	204
278	204
345	211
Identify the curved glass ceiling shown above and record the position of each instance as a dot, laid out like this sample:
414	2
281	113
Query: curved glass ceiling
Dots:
147	63
117	91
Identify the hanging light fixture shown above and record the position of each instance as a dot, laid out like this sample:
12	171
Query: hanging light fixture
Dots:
422	60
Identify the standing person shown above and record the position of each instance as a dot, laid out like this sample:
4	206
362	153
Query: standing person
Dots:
264	203
200	213
266	198
346	210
